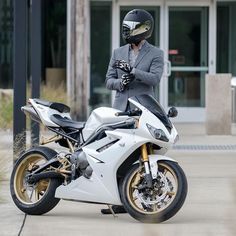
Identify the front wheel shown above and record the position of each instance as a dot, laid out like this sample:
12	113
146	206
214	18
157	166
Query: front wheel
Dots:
33	199
159	203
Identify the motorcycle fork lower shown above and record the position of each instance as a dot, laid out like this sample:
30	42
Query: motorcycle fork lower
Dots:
145	160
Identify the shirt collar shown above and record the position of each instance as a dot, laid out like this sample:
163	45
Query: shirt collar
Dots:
140	46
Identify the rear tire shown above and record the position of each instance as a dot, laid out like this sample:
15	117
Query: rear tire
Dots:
176	197
43	192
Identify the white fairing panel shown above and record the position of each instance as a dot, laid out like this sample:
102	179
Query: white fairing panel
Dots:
90	190
45	113
156	158
99	117
102	186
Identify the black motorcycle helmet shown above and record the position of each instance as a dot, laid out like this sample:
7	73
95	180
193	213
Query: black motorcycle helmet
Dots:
137	25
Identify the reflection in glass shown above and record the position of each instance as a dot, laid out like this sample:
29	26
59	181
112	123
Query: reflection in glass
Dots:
188	35
188	53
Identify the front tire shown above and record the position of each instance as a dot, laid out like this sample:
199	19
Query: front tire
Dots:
34	199
161	202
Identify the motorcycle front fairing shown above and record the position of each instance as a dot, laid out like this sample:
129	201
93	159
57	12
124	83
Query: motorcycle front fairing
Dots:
105	156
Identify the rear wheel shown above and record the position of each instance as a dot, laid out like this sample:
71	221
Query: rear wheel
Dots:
33	199
159	203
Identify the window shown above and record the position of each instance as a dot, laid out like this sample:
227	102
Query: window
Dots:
100	53
226	38
6	38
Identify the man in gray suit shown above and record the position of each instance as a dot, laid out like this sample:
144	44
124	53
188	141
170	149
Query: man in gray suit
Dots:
135	68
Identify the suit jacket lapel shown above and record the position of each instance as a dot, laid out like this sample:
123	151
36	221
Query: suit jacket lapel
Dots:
144	50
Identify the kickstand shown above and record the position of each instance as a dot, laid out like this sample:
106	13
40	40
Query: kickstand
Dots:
113	213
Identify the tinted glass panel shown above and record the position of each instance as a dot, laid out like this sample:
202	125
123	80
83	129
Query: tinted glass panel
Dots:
186	89
6	39
188	53
226	37
223	39
100	53
188	36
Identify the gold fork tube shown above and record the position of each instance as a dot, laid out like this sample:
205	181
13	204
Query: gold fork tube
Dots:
144	152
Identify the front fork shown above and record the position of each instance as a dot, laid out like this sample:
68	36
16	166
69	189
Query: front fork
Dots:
148	175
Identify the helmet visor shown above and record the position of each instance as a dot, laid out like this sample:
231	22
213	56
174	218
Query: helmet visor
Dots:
133	28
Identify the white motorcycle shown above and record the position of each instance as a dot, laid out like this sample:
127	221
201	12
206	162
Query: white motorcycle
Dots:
115	158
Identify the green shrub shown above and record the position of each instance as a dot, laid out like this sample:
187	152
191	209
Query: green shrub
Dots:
57	94
6	113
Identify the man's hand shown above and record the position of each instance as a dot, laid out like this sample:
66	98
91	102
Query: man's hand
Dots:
122	65
127	79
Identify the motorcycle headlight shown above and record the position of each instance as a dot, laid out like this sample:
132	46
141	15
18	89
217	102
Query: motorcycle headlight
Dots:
157	133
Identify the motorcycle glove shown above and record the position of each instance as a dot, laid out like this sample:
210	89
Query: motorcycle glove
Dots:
126	79
122	65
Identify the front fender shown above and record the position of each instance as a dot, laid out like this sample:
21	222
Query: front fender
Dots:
153	160
156	158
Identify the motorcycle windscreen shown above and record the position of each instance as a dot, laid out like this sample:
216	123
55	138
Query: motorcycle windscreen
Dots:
154	106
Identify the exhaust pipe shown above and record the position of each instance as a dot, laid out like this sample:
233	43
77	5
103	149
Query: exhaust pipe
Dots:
45	175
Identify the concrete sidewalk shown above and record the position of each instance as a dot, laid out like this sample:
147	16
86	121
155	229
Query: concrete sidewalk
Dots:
10	218
209	209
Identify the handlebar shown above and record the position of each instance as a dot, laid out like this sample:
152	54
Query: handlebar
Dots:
135	112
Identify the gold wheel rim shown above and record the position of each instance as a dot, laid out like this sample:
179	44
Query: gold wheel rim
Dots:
29	194
134	200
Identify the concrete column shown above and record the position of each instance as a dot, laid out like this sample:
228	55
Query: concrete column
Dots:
78	57
218	104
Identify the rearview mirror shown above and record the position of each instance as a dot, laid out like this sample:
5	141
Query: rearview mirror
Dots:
172	112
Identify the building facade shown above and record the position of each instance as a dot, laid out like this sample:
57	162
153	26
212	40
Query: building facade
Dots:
198	37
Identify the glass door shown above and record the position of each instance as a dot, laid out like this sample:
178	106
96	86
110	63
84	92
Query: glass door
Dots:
188	56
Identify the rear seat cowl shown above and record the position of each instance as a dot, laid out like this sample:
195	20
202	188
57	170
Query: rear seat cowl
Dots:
62	108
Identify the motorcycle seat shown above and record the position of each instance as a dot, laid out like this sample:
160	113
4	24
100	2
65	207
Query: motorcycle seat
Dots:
65	122
53	105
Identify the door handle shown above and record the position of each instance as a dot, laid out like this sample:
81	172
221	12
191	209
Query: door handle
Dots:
168	68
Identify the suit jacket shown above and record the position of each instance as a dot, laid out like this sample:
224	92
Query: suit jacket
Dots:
148	71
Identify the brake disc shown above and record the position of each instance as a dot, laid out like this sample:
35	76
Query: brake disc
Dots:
156	196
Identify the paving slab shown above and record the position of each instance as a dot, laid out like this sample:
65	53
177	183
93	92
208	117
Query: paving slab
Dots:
209	208
10	217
